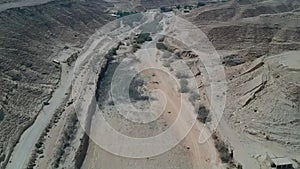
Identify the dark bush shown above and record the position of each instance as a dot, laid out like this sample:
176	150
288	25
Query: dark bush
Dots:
122	13
203	114
161	46
17	77
1	115
180	75
165	9
111	53
223	151
39	144
39	151
161	39
233	60
2	158
201	4
184	86
143	37
188	7
194	97
135	47
135	91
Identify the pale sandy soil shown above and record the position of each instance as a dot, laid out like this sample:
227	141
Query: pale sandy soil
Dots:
189	153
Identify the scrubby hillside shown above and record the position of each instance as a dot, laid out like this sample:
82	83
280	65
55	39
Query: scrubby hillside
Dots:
259	43
264	99
270	27
31	38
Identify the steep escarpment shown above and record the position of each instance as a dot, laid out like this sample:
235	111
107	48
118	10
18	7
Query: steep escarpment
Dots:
31	37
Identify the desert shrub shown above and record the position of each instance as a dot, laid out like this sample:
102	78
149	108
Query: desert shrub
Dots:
166	64
135	47
111	103
111	53
184	86
39	151
223	151
178	7
143	37
161	46
27	63
1	115
181	75
135	91
125	13
17	77
39	144
201	4
165	9
233	60
66	5
2	158
188	7
194	97
203	114
166	55
161	39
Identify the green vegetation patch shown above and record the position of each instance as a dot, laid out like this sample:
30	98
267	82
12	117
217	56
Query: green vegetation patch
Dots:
125	13
201	4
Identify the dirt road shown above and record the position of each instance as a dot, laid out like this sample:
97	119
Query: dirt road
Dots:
22	151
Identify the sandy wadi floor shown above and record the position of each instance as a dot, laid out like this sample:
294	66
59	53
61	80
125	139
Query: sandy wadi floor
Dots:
144	125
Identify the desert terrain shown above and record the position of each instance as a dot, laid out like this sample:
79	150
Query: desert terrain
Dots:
103	84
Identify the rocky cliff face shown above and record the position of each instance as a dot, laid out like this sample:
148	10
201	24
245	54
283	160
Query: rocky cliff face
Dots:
31	38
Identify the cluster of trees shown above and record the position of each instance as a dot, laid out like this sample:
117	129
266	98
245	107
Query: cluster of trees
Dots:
125	13
199	4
